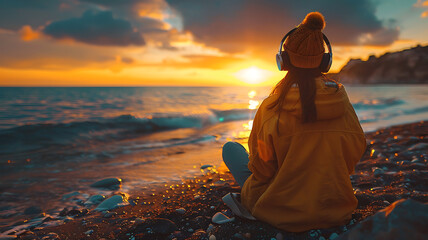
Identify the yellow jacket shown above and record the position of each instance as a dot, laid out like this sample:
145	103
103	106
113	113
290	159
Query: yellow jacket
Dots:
300	177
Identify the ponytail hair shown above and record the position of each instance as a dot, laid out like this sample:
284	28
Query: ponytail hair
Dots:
304	78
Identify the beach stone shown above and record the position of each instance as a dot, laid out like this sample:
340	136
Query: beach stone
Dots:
419	146
210	228
180	210
51	235
220	218
110	214
32	210
206	166
28	235
200	234
68	219
111	203
96	199
63	212
212	237
69	195
157	225
378	171
89	232
7	237
108	183
403	219
139	221
279	236
333	236
47	219
376	188
74	212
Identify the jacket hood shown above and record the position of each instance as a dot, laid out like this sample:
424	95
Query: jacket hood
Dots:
330	100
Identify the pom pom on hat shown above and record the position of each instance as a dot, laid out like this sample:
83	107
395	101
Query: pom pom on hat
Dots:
314	21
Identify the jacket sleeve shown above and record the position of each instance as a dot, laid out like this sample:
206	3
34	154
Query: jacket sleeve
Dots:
357	145
262	158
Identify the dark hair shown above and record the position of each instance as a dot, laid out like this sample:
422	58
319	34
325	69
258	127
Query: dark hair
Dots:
305	80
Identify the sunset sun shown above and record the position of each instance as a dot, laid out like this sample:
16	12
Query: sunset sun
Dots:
253	75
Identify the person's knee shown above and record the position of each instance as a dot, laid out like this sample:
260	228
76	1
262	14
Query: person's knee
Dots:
230	146
227	147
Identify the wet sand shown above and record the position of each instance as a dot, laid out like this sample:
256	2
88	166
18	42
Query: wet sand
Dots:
394	167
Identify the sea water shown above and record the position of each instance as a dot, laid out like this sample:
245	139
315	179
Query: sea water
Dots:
57	140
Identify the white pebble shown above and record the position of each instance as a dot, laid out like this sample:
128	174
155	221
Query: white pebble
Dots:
220	218
212	237
180	210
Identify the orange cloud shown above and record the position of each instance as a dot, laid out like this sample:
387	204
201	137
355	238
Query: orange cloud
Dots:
422	4
28	34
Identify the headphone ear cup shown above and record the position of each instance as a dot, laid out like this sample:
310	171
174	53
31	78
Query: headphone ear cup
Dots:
325	63
285	61
279	62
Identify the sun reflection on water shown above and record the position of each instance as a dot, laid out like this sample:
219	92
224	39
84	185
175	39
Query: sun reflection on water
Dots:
252	94
248	126
253	104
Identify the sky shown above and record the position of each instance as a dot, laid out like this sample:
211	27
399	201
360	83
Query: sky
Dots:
186	42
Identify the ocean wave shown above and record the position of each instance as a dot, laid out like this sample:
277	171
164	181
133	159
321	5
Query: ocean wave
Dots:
35	136
379	103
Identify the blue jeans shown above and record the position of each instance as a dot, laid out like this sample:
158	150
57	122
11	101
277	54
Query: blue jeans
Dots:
235	157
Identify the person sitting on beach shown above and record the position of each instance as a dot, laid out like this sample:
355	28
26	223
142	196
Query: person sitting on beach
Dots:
305	142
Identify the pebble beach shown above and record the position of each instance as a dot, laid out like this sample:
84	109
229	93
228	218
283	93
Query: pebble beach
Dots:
393	171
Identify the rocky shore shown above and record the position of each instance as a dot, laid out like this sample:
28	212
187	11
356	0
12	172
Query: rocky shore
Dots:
402	67
393	170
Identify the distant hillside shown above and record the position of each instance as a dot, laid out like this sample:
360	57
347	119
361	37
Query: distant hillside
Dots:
408	66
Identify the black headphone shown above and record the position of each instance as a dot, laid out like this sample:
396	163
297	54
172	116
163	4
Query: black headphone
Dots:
283	60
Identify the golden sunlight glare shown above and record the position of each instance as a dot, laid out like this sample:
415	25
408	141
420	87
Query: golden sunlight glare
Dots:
252	94
253	75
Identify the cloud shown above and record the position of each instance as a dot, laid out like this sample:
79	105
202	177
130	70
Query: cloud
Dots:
16	13
28	34
381	37
54	55
258	26
422	4
97	28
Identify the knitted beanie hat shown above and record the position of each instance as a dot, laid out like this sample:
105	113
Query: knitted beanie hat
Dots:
305	46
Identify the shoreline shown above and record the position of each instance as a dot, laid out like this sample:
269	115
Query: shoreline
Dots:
391	169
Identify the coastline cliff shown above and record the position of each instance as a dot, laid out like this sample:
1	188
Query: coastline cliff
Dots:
403	67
